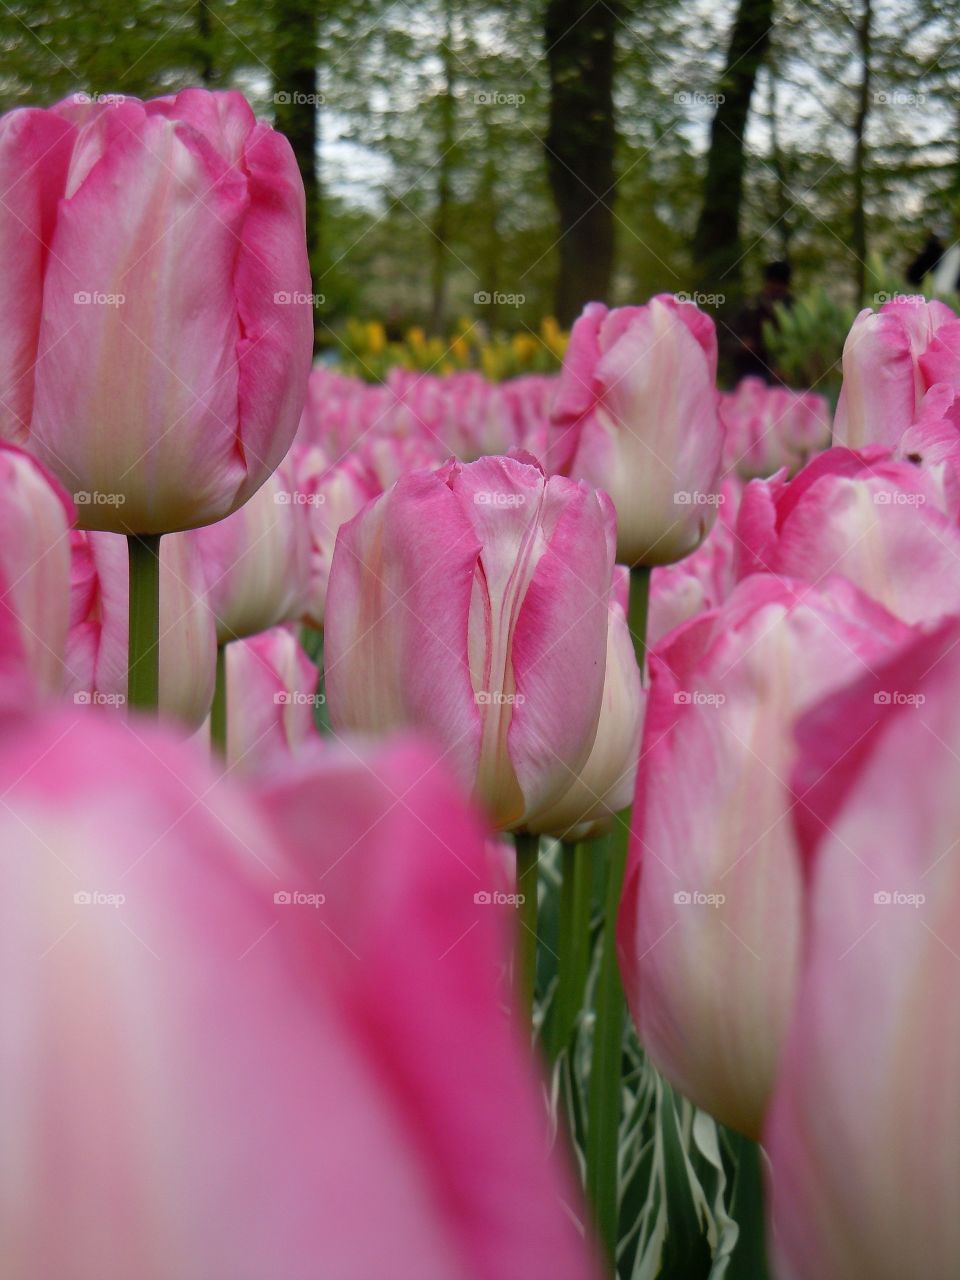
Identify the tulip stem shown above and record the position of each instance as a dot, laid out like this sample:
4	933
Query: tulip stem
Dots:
143	660
603	1099
218	711
749	1258
574	941
637	616
525	961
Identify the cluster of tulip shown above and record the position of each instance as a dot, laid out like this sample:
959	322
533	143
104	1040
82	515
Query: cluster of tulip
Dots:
256	1019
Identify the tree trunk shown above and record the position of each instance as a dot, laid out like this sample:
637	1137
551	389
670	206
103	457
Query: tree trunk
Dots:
204	44
297	98
717	249
581	142
858	230
782	203
441	213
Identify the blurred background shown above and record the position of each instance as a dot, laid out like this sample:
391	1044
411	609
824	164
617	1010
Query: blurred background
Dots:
477	172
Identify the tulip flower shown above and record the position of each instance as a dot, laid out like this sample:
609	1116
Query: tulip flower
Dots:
890	358
34	569
606	782
97	642
771	427
257	561
271	697
862	1132
168	309
636	415
712	907
237	1006
889	527
471	602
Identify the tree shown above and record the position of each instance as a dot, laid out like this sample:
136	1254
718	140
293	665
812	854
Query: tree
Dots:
295	68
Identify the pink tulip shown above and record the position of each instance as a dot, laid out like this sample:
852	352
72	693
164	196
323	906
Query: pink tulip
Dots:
271	696
257	561
471	602
233	1050
164	381
772	427
890	358
862	1133
636	415
606	783
35	519
340	410
97	643
886	526
705	578
712	907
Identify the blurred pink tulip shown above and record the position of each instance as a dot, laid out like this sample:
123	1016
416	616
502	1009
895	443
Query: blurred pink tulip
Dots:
35	520
636	415
164	330
702	580
471	602
712	907
257	561
771	427
886	526
271	696
232	1050
99	621
890	358
606	783
862	1132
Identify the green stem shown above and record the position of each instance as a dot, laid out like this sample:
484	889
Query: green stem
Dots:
574	941
603	1100
525	964
639	606
143	662
218	711
749	1258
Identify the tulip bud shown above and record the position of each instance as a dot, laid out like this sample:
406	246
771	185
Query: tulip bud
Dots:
257	561
471	602
636	415
605	784
712	907
862	1132
167	327
99	622
271	699
34	570
771	427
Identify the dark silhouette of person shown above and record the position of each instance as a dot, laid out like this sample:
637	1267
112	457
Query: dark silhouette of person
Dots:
927	260
749	356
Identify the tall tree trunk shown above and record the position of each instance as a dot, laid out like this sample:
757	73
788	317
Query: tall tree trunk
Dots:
782	222
297	97
204	43
441	213
581	143
716	243
858	236
491	248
